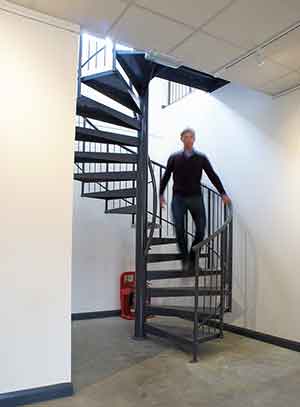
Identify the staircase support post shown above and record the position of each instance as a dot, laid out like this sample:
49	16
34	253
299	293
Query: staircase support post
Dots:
141	219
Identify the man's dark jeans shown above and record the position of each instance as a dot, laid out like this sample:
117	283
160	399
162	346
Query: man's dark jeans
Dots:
194	204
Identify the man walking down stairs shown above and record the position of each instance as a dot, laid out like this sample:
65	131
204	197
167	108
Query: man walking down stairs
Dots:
187	167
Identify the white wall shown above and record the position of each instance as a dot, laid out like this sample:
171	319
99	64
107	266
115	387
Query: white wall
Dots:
253	141
38	77
103	248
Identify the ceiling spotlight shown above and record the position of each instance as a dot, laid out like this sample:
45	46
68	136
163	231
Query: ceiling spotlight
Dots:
259	57
162	59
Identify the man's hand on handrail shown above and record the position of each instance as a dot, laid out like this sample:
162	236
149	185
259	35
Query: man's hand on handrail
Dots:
226	199
162	201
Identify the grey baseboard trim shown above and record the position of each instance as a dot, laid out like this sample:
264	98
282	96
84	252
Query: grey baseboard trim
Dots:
273	340
39	394
94	315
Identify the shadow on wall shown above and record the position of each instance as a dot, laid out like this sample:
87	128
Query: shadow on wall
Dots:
244	276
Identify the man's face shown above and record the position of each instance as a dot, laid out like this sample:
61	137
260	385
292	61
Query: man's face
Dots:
188	140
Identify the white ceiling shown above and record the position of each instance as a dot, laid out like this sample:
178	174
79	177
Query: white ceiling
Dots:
204	34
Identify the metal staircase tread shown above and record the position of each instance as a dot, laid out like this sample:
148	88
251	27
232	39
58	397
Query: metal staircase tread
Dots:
181	291
140	70
150	225
181	333
125	210
136	68
159	257
113	85
182	311
156	241
106	176
91	157
99	136
169	274
113	194
87	107
191	77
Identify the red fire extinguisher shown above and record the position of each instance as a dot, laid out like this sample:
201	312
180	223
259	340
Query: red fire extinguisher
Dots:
127	294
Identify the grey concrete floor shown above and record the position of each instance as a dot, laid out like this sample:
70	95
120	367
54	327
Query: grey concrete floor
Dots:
112	370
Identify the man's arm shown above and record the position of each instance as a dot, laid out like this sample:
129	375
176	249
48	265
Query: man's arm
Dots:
215	180
165	179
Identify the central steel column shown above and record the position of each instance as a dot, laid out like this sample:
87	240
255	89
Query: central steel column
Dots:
141	219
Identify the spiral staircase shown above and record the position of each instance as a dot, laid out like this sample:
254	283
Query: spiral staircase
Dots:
114	166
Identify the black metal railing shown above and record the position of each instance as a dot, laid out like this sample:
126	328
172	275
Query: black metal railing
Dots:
213	271
160	222
176	92
213	254
96	55
218	247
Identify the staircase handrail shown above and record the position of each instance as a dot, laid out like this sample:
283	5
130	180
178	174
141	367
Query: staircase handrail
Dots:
92	56
154	212
222	228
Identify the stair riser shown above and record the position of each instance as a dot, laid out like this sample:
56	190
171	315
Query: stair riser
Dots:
121	213
105	158
171	274
88	108
110	197
120	97
107	140
103	161
184	315
133	71
152	330
153	258
180	293
162	241
111	177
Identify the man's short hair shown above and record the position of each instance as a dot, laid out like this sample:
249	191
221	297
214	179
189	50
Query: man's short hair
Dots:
188	130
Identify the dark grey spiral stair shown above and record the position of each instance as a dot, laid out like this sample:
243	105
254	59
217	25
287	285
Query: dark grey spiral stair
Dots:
181	311
178	273
104	137
138	68
159	257
112	194
109	176
112	84
125	210
157	241
87	107
91	157
182	334
165	292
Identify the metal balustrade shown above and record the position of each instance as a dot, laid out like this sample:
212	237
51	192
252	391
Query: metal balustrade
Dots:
176	92
211	288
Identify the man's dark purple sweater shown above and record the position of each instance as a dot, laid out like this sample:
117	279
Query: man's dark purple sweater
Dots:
187	173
